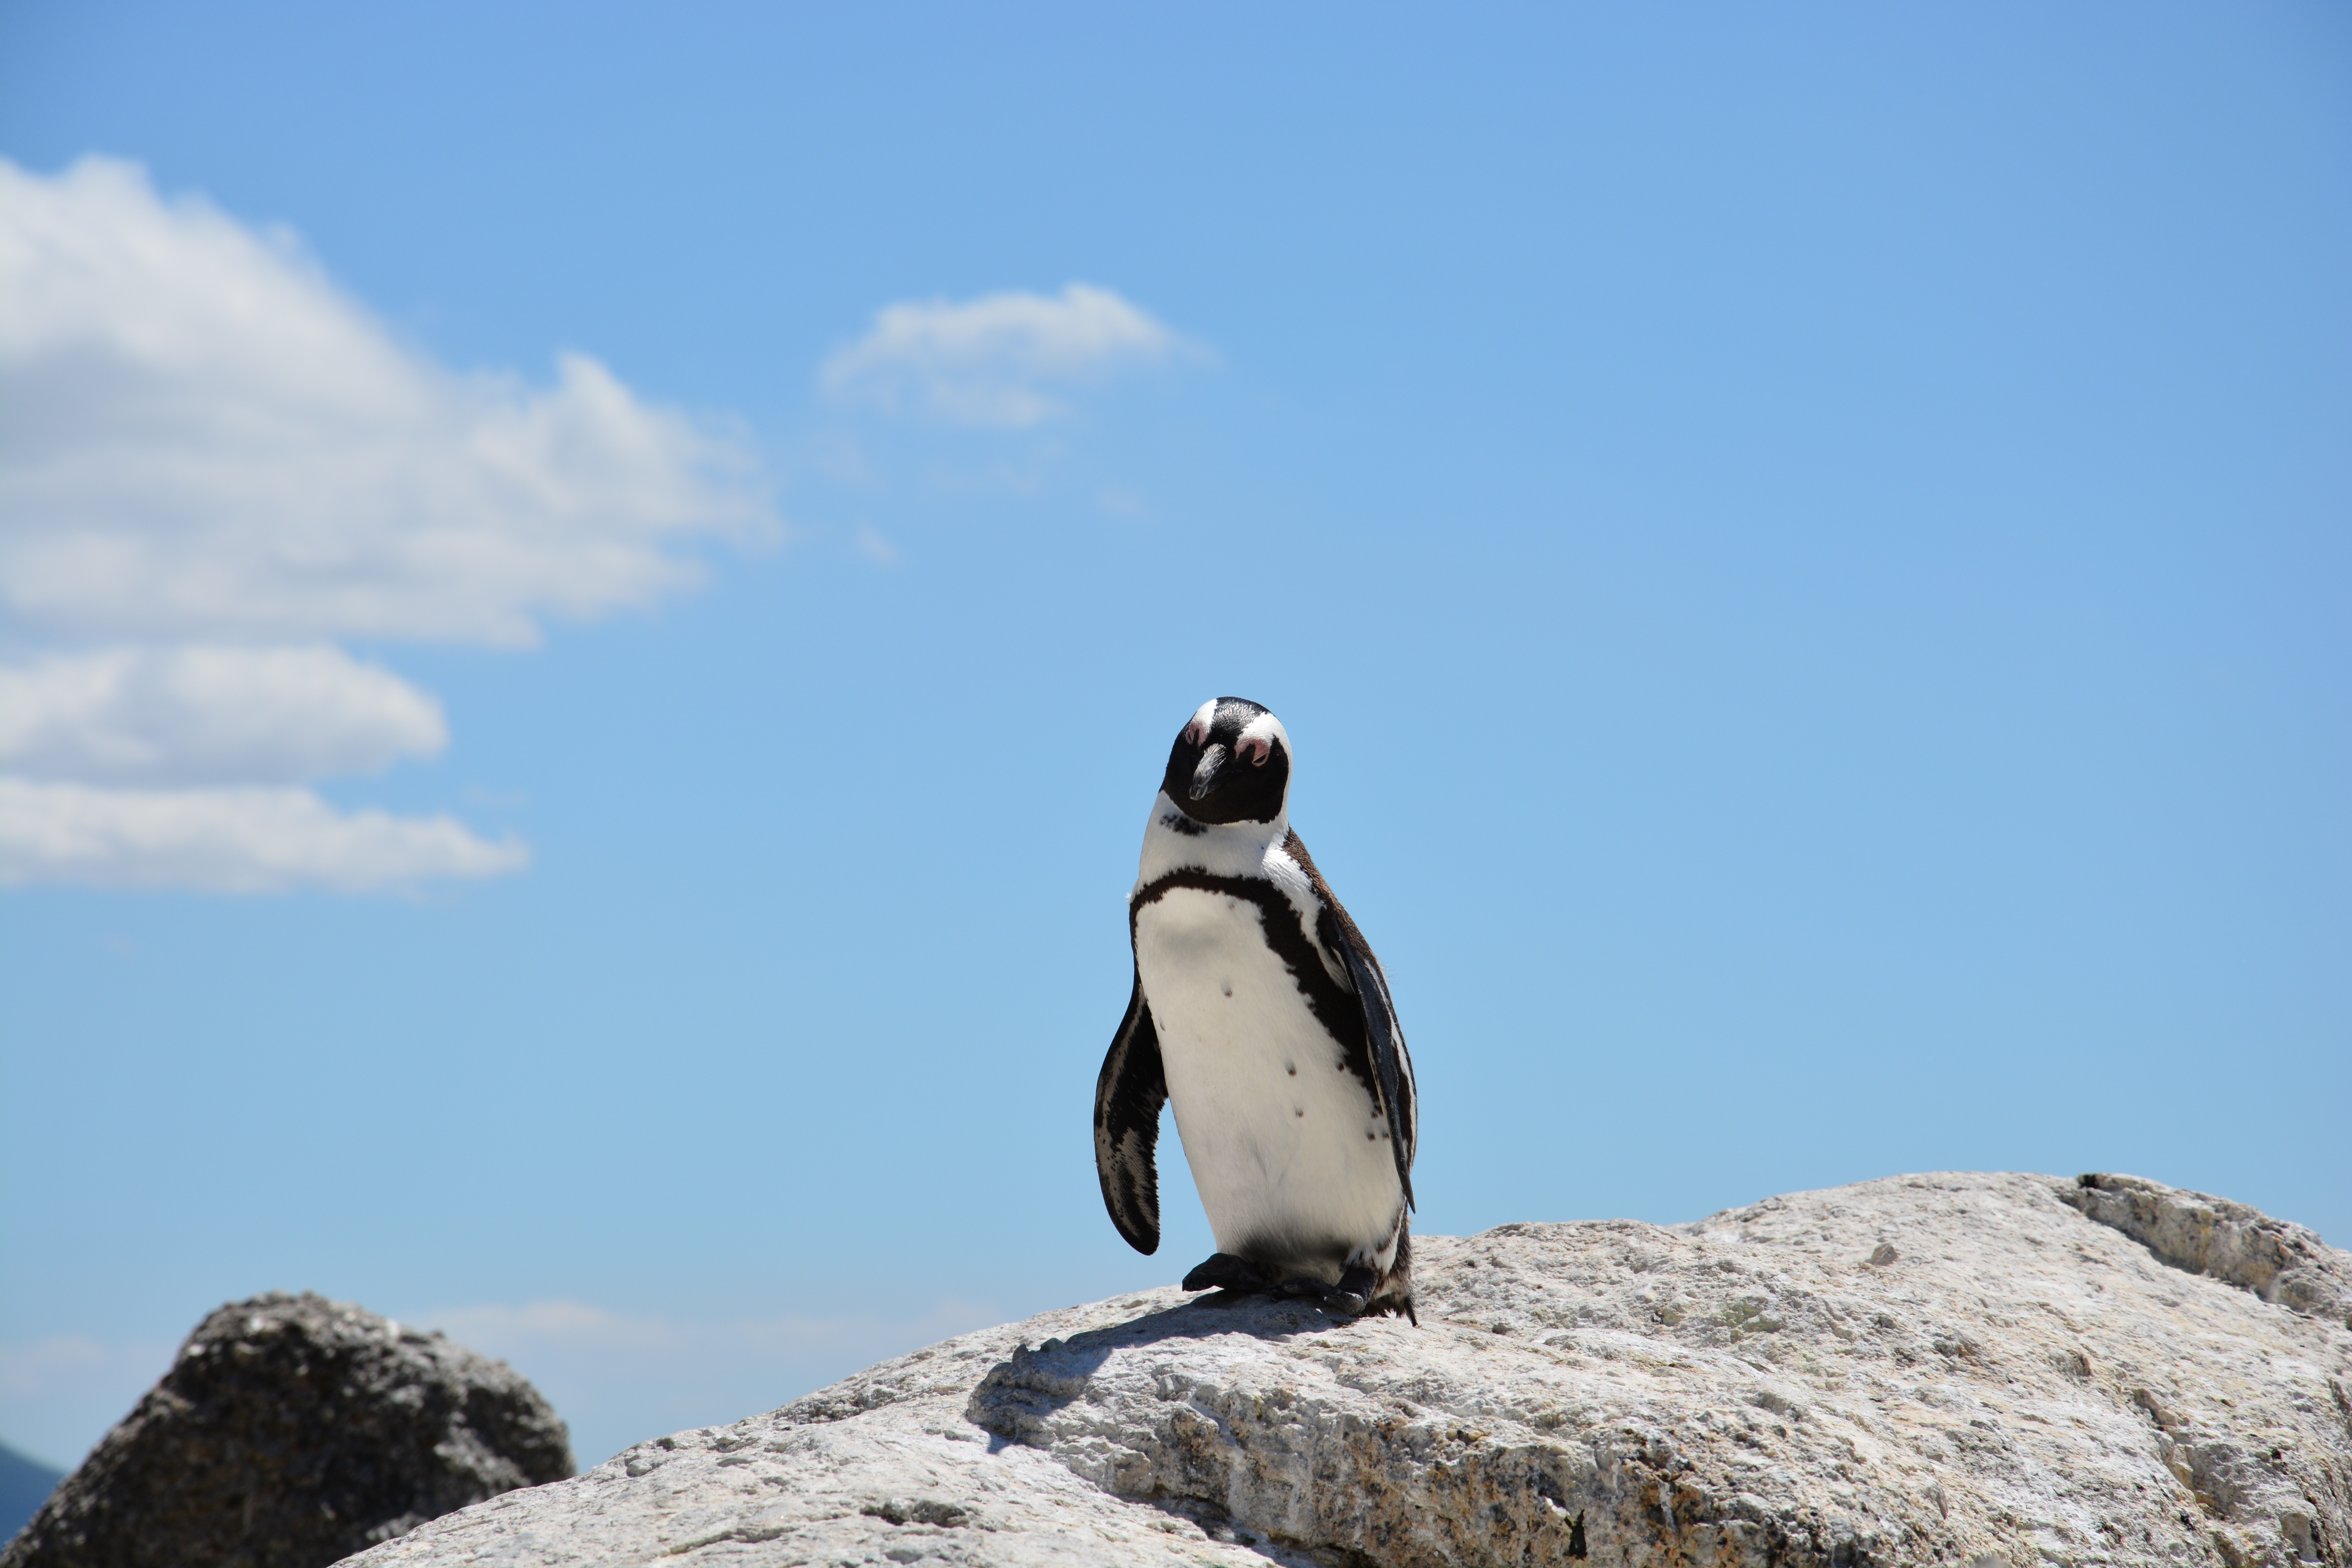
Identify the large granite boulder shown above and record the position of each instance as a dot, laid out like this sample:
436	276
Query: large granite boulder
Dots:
292	1431
1970	1370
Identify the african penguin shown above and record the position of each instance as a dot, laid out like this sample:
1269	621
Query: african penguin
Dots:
1259	1009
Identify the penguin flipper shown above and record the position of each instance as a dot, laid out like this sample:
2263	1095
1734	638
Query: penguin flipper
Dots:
1128	1098
1384	1037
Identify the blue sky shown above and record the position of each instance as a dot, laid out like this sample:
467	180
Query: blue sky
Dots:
581	777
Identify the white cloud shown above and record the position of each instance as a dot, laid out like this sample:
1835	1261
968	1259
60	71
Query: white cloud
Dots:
58	1395
616	1378
228	841
211	455
994	361
30	1368
210	715
207	439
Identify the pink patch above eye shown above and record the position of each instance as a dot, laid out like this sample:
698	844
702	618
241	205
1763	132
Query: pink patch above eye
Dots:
1195	733
1257	751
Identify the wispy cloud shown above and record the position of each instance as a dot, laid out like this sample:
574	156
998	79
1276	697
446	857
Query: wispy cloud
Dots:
210	715
60	1394
620	1378
1002	361
215	463
206	438
616	1377
229	841
875	547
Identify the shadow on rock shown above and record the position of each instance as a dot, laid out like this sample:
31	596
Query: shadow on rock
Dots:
1021	1392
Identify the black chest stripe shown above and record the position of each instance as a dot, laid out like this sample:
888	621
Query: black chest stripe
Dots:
1333	1007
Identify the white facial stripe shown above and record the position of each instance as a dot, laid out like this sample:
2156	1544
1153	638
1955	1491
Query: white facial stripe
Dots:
1257	742
1202	717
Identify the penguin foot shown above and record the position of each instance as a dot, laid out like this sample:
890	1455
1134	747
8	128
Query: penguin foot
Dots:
1322	1295
1350	1295
1236	1277
1224	1271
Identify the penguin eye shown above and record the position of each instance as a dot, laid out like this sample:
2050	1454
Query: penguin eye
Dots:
1255	748
1194	733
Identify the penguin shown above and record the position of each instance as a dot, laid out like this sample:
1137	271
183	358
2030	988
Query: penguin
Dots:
1259	1009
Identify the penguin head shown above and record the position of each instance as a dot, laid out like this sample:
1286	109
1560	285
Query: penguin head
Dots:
1230	763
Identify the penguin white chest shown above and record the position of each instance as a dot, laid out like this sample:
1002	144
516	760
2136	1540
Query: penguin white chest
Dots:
1291	1155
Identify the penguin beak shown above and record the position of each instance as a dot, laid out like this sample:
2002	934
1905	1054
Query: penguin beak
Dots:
1204	776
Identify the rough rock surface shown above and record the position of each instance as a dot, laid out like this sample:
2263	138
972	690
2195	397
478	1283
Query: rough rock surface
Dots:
2205	1234
292	1431
1973	1369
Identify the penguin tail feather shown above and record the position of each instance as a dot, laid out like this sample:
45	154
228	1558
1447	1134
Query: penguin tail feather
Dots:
1395	1294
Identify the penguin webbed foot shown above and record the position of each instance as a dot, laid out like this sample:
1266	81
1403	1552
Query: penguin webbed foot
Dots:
1349	1296
1224	1271
1232	1278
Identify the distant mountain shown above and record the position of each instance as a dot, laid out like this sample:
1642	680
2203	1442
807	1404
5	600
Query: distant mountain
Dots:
25	1485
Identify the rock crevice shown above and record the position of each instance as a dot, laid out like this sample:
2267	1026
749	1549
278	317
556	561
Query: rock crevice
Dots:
2277	1260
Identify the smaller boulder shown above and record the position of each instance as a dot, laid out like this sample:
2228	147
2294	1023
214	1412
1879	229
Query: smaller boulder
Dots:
292	1431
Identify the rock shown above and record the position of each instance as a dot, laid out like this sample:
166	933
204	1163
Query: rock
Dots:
292	1431
1955	1369
2205	1234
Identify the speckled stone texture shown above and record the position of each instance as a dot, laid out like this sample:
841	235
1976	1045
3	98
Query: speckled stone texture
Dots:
2205	1234
1973	1370
292	1431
